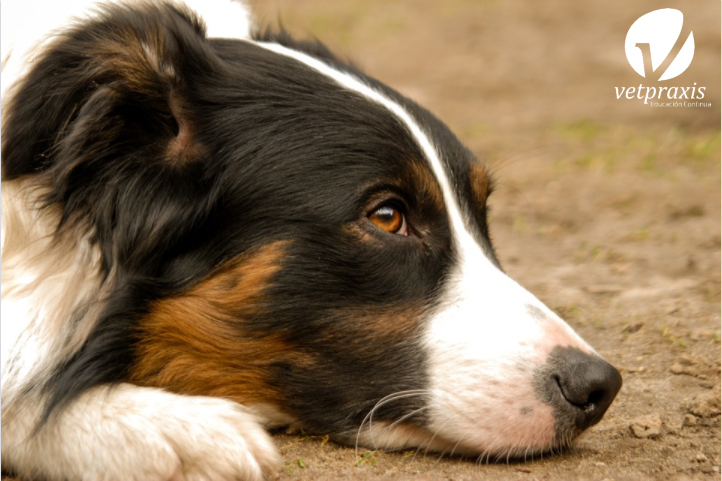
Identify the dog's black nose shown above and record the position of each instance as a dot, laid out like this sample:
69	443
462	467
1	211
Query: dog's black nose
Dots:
588	383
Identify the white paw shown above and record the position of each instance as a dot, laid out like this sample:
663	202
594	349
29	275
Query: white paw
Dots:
216	439
131	433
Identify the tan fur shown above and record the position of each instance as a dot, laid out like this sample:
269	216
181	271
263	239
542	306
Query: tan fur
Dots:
424	181
479	179
195	343
375	331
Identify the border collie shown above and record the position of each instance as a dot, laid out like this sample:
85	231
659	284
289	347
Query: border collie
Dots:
210	230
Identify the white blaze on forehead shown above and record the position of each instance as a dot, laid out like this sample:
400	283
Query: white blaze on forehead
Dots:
356	85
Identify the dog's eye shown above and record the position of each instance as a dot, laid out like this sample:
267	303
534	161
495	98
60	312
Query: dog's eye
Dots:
390	219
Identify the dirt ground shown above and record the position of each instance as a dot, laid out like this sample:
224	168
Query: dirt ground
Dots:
608	210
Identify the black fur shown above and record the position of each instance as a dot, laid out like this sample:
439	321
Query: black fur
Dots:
277	152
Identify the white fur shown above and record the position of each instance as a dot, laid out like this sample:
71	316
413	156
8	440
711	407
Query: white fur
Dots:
488	336
386	435
47	280
486	341
128	433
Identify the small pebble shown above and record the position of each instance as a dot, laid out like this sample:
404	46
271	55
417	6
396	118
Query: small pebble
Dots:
648	426
700	458
687	361
672	425
705	405
680	368
690	420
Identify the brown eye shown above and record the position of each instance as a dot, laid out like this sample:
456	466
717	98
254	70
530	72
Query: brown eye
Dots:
390	219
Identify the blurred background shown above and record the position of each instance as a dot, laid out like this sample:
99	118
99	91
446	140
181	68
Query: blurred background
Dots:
607	209
498	66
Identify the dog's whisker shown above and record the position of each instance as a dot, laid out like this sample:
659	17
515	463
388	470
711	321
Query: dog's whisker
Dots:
407	416
383	401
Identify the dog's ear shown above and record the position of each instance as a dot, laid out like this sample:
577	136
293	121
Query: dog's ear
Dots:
118	78
105	117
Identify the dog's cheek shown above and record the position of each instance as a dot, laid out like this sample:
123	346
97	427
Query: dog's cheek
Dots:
200	343
358	359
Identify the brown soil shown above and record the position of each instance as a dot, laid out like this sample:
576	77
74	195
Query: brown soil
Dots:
608	210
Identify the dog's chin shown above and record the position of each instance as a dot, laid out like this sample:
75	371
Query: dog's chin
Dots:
403	436
394	436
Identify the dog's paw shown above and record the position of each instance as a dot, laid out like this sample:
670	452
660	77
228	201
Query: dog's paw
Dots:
216	439
148	434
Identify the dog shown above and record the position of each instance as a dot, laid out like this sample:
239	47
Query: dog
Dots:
211	230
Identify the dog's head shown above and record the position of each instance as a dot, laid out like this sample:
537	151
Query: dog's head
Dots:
284	231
